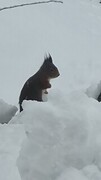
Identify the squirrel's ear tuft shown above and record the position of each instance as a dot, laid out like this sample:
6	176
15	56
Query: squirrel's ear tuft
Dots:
48	58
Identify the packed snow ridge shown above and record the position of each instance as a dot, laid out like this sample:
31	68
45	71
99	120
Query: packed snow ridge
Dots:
59	139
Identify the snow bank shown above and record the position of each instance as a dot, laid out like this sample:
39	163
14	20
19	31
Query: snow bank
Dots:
90	172
72	174
11	138
61	133
6	112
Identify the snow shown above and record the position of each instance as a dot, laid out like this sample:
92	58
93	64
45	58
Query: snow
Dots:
63	132
60	138
72	174
6	112
11	138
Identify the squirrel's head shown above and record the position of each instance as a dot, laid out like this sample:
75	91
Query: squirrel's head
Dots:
49	68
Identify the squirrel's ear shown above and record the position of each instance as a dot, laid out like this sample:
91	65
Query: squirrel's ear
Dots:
47	58
50	59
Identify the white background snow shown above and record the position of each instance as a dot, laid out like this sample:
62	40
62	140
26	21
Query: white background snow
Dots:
59	139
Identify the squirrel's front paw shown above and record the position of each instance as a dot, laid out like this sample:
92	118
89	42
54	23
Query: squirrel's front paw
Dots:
45	91
49	85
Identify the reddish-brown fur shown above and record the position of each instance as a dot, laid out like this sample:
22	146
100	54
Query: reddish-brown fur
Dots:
33	87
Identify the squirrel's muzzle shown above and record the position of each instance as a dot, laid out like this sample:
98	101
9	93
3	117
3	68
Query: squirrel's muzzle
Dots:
56	73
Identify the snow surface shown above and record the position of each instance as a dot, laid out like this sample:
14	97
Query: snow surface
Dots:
6	112
59	139
11	138
61	133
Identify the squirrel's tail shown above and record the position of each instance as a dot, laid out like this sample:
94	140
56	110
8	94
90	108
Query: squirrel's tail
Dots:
20	106
99	97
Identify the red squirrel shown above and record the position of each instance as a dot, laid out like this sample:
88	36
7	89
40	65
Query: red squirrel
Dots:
39	82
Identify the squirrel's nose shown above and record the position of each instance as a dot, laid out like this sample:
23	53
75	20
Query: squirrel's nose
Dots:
58	74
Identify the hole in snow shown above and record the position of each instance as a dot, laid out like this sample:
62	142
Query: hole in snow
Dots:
94	91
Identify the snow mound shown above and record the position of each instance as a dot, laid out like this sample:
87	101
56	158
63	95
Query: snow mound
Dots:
94	90
11	138
90	172
6	112
72	174
61	133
